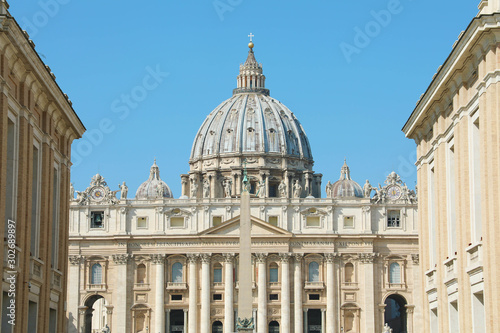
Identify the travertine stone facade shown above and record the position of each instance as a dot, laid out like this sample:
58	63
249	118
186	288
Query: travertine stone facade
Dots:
172	264
456	128
37	127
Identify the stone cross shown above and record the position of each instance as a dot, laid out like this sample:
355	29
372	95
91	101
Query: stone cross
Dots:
251	36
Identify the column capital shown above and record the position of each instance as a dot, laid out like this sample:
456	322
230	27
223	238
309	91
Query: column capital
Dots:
229	257
298	257
158	258
410	308
330	257
260	257
205	258
416	258
381	308
121	259
192	258
75	260
285	257
367	258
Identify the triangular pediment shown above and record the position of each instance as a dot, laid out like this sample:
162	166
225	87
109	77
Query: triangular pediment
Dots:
259	228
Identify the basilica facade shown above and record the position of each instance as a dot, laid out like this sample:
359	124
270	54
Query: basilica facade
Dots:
346	262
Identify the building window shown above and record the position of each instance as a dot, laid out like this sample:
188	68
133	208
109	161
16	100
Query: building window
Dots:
217	273
314	297
349	273
96	274
142	222
348	221
393	219
273	272
313	221
273	220
217	297
273	297
35	216
176	297
394	273
314	272
216	220
475	157
177	272
177	222
97	220
55	220
141	274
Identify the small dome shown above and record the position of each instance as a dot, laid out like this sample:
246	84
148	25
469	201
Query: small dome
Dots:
154	187
346	187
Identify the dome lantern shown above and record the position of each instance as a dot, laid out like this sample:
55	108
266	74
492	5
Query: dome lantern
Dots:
251	78
154	187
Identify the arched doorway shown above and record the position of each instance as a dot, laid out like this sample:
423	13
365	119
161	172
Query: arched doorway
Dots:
395	313
274	327
95	315
217	327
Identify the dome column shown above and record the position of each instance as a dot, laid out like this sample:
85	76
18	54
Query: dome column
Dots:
185	185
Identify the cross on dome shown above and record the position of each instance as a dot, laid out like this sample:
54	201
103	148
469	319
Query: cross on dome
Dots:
251	36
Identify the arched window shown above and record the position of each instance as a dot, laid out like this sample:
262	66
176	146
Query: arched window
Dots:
394	273
314	272
217	327
141	273
96	276
349	272
274	327
273	272
177	272
217	273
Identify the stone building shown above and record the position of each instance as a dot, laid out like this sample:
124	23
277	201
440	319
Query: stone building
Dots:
455	126
37	127
345	263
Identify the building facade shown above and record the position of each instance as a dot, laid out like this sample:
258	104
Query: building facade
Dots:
455	126
37	127
345	263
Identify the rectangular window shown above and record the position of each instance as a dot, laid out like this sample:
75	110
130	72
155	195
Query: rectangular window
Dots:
273	190
273	274
313	221
35	214
217	297
176	297
348	221
393	219
10	195
478	312
142	222
32	316
273	297
177	222
216	220
97	220
314	297
55	220
434	321
454	319
217	275
432	218
476	182
53	321
452	226
273	220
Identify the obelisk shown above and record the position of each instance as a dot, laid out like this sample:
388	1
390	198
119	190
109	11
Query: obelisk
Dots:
245	299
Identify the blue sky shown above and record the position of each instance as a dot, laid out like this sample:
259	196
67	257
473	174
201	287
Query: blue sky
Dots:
144	75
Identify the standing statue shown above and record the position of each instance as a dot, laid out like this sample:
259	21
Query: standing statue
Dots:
194	188
262	189
71	191
282	189
159	190
367	189
297	189
227	187
206	188
124	190
387	329
329	190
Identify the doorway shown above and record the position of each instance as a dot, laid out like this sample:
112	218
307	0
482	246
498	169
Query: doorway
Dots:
395	313
176	321
314	321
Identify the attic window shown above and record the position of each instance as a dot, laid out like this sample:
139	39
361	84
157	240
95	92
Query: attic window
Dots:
177	222
216	220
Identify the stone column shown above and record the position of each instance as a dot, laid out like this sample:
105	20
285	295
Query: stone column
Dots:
261	292
367	259
205	293
121	311
305	320
185	319
168	321
228	293
330	292
193	294
74	291
285	293
323	321
409	314
159	262
185	185
297	292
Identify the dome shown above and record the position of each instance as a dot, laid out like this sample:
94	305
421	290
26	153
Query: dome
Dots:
345	187
154	187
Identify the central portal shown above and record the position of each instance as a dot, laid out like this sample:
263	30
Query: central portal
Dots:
313	321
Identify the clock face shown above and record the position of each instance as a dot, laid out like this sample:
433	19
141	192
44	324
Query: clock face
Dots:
97	193
394	192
